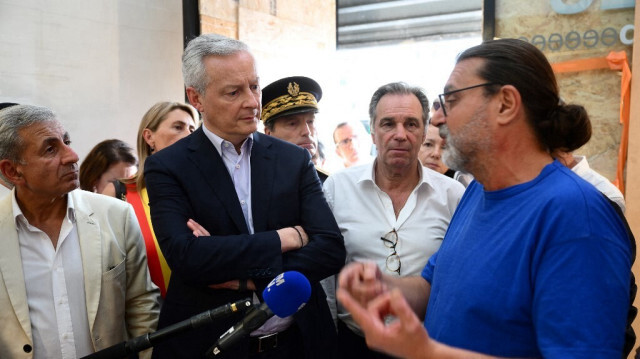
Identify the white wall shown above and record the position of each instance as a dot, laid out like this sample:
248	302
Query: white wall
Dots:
99	64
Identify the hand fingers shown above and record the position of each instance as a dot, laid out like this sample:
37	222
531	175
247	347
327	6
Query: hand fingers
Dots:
347	274
400	307
251	285
197	229
358	312
232	284
370	271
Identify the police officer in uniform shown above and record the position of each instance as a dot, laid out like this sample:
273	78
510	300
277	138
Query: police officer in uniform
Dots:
289	111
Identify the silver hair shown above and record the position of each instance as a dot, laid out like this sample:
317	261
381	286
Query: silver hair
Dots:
398	88
193	69
12	121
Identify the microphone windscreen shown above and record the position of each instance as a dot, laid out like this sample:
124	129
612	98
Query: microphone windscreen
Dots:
287	293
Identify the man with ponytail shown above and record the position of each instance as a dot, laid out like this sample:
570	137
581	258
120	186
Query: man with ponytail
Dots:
536	262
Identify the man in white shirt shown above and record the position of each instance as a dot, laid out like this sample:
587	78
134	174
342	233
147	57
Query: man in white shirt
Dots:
73	268
393	211
580	166
351	147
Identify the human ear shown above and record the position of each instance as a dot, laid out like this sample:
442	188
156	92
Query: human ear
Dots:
510	103
194	98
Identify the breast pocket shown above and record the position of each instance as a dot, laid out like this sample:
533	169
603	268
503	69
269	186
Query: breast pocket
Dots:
114	288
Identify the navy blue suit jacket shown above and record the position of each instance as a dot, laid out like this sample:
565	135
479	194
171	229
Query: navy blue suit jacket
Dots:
190	180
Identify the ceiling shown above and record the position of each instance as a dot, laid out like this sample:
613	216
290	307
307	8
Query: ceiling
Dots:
373	22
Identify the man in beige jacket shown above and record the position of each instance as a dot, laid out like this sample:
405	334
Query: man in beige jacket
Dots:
73	267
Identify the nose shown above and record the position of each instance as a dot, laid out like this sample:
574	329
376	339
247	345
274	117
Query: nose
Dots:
70	156
437	152
306	129
400	132
438	117
252	100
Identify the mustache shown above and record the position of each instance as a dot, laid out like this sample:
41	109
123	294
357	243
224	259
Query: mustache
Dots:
443	131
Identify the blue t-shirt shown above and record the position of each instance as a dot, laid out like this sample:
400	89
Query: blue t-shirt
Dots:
540	269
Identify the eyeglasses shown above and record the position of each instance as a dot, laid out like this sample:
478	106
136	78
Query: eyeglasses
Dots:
390	240
347	141
443	96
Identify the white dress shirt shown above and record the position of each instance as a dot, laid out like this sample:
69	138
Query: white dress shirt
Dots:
599	181
365	213
54	281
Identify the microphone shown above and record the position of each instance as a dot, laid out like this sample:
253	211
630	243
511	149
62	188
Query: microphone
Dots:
148	340
286	294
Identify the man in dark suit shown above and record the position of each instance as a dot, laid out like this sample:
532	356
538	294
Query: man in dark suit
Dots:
262	202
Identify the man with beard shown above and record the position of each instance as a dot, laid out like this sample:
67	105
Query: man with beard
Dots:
536	262
433	150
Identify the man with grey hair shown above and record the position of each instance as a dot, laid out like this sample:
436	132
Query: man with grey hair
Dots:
393	211
536	262
73	267
260	199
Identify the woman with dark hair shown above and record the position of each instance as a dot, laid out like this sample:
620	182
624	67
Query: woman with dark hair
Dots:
108	161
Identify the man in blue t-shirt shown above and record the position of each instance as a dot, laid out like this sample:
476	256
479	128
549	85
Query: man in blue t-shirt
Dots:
536	262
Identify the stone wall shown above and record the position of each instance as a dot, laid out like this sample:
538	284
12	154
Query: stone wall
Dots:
592	31
286	36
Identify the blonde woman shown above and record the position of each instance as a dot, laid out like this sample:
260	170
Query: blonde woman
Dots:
164	124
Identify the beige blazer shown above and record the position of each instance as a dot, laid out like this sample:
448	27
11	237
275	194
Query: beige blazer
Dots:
121	303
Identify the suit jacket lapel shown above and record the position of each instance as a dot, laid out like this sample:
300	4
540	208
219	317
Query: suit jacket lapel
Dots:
262	178
208	160
91	248
11	264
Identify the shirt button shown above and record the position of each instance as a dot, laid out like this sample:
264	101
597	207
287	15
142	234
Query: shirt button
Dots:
237	166
242	203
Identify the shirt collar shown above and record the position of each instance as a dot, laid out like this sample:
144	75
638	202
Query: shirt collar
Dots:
218	141
21	219
369	175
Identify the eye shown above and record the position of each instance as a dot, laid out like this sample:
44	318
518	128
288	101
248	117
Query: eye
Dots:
67	142
254	87
233	93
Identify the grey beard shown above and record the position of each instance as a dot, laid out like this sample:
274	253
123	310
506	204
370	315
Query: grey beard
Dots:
451	156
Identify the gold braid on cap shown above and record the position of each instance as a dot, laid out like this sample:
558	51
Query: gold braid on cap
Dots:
293	99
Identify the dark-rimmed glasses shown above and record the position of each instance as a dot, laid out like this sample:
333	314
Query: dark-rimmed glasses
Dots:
390	241
442	96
